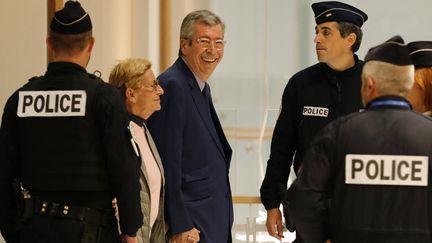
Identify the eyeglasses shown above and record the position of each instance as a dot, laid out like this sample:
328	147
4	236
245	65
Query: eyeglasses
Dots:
206	43
153	87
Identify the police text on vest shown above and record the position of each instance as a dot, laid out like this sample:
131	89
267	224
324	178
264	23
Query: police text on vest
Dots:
401	170
52	103
315	111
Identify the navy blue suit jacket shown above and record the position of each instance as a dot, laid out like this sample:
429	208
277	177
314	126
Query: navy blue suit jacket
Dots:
196	158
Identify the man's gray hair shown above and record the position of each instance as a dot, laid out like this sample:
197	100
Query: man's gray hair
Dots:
188	25
389	79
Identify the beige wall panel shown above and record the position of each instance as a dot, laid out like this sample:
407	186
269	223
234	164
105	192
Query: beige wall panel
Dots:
23	50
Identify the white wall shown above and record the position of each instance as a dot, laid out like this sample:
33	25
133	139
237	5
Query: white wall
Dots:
410	19
179	9
22	52
123	28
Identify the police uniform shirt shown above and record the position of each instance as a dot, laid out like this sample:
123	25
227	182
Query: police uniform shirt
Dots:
67	132
373	167
312	98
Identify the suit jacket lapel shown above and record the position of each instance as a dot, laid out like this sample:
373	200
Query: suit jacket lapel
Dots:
223	140
202	107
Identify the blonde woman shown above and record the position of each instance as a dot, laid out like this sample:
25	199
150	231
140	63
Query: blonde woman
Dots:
141	91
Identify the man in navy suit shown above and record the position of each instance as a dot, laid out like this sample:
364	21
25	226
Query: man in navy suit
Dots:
194	150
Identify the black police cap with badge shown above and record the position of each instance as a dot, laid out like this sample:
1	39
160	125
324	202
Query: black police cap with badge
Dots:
421	53
339	12
393	51
72	19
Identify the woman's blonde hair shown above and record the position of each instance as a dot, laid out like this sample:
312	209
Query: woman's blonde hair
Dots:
127	73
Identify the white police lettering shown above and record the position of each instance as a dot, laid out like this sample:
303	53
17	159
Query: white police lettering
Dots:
315	111
401	170
53	103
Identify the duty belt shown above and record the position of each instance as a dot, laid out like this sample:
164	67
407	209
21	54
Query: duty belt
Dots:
92	218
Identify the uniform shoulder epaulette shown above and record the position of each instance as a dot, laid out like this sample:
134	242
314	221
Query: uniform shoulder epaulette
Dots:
91	75
33	78
95	75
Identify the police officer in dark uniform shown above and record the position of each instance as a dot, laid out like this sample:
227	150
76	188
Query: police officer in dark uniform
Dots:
64	139
313	97
373	166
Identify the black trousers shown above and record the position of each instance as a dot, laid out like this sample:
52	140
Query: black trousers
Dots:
298	239
51	229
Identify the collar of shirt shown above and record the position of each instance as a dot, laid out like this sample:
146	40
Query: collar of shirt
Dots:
64	67
348	71
201	83
138	120
389	101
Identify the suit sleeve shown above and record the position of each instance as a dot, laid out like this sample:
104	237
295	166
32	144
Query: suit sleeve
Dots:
8	171
283	146
166	127
123	169
309	196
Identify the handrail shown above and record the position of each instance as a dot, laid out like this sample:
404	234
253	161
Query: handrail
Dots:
246	200
250	228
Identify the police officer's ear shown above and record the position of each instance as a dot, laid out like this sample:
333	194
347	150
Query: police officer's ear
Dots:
351	38
370	84
90	45
49	44
369	91
50	48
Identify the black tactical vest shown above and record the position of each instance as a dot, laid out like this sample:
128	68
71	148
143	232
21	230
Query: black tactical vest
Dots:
62	152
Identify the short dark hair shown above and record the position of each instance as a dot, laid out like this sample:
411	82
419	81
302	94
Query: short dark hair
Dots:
70	43
346	28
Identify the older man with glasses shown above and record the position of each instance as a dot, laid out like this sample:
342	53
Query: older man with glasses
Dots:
190	139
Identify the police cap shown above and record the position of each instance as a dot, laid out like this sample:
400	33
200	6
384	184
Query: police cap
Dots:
421	53
393	51
339	12
72	19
